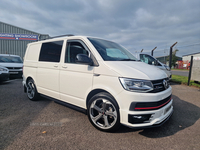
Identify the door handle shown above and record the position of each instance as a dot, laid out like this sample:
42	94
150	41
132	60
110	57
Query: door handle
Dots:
96	75
64	67
56	66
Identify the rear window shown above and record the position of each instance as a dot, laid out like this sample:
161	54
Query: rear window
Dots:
10	59
51	51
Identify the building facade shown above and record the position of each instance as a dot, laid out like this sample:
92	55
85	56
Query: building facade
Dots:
165	59
14	40
188	57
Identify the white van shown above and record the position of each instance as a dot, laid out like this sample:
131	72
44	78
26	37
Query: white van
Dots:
148	59
99	77
14	64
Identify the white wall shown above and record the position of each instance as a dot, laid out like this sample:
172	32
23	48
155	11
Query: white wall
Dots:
185	58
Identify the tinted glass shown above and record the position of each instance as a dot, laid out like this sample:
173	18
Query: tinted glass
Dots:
111	51
10	59
51	51
147	59
73	49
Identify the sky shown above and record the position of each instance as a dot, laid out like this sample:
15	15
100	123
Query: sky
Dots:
135	24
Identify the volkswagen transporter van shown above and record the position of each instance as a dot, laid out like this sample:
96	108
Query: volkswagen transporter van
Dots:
99	77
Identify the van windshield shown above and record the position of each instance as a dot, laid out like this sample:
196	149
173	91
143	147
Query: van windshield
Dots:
10	59
111	51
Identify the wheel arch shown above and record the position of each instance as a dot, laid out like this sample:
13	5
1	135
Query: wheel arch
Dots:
30	77
26	81
96	91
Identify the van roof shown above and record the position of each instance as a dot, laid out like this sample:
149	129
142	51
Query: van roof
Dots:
57	38
61	38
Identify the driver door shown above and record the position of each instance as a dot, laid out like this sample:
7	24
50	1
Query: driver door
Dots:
75	79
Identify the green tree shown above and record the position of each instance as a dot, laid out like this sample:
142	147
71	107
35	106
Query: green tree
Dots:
174	57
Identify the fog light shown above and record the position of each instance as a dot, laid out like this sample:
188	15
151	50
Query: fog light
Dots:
139	118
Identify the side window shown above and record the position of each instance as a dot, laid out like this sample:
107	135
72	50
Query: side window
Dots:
147	59
73	49
142	58
51	51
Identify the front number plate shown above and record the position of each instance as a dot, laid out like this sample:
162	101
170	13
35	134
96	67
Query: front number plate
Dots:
13	72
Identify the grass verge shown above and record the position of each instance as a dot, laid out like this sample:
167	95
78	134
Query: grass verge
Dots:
181	69
183	80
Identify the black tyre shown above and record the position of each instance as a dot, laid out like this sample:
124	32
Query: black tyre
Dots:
103	112
32	90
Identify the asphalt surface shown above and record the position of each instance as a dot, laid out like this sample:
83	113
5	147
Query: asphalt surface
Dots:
180	72
25	124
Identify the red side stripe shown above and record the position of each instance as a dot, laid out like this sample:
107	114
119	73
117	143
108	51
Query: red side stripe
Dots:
7	38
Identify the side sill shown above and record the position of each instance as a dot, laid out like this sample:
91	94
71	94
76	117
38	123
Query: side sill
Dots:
82	110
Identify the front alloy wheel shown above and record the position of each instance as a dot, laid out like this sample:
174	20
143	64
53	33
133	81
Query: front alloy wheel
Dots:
103	112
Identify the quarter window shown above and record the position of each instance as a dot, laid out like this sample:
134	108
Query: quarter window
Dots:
51	51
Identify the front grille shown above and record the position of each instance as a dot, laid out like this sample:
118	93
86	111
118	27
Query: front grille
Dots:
14	67
158	85
145	106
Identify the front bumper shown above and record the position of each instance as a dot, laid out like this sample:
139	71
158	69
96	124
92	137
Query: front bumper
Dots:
156	125
24	84
15	73
153	117
4	76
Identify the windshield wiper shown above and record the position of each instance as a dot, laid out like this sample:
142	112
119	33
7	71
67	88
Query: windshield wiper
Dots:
127	60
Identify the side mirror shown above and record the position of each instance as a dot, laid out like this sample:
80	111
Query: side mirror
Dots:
84	59
155	63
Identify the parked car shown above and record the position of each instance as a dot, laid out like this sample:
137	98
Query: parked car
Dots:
14	64
4	74
99	77
153	61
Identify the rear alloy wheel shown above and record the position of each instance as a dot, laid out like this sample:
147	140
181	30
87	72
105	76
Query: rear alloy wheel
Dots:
103	112
31	90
